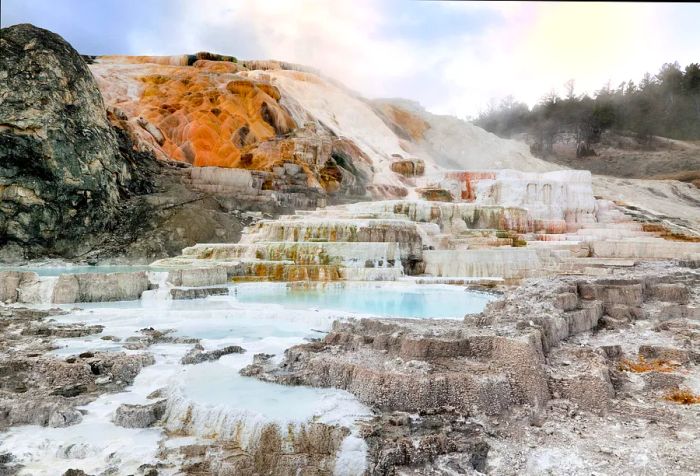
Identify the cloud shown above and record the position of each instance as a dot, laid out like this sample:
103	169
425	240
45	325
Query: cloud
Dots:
343	39
537	47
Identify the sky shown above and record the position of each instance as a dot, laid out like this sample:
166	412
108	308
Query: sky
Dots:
453	57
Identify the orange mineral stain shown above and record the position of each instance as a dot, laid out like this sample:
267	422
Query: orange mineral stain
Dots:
204	112
468	181
209	117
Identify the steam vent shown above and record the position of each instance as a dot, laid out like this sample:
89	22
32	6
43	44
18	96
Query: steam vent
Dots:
212	265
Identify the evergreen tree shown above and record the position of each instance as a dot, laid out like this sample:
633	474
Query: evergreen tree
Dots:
666	104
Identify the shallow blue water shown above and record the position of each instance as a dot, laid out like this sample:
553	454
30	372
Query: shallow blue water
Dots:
59	270
377	300
381	299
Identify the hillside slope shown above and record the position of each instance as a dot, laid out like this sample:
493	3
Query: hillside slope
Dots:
258	115
232	137
456	144
626	156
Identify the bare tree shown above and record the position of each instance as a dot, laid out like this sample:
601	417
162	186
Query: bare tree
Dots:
569	87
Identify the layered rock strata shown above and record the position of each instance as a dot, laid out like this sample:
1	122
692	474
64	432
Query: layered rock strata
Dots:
506	224
30	288
311	450
395	366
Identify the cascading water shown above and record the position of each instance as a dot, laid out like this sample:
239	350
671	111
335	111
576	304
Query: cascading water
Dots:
162	291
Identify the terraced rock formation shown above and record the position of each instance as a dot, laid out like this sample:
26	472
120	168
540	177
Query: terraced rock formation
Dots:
550	356
272	117
499	224
234	136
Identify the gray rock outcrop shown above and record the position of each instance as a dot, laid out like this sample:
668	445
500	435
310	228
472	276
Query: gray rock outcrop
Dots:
53	413
198	293
45	391
63	168
198	355
11	282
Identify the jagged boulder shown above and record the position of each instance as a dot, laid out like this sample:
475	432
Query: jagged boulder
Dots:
61	161
139	416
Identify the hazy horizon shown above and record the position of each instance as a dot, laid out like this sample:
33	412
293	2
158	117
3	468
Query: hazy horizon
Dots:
453	58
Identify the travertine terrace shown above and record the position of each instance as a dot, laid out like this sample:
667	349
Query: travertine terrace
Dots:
504	224
577	352
428	381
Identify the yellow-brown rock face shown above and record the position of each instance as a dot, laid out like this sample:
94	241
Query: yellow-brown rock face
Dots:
408	167
267	116
403	122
